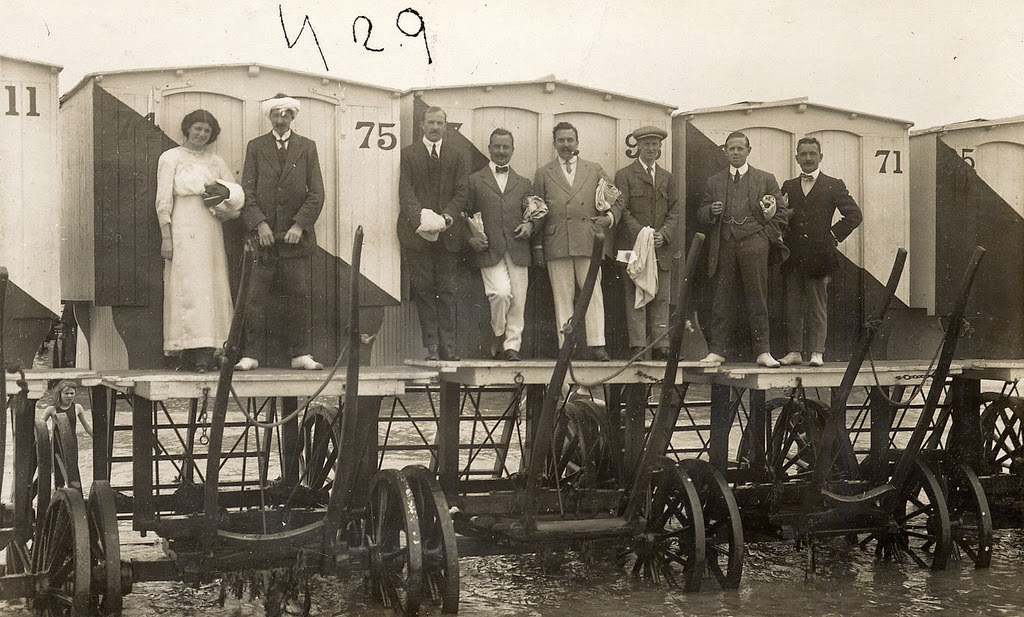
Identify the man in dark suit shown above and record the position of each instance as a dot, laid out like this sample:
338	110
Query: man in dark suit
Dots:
813	199
433	178
284	194
569	186
744	210
499	194
650	200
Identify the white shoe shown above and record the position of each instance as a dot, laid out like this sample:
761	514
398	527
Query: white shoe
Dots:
247	364
766	360
713	357
817	359
306	363
793	357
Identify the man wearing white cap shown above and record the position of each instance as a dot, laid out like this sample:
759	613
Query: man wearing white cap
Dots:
650	201
284	194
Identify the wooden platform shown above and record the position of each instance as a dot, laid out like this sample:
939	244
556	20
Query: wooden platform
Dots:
163	385
40	379
538	372
886	373
999	370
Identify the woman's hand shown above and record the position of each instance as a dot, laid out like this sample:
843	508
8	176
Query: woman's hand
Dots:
166	248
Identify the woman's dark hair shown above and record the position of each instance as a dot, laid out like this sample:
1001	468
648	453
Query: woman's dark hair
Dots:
201	115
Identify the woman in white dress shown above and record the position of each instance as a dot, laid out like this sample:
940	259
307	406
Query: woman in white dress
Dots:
197	297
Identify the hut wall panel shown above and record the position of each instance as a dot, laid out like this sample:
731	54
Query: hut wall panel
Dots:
368	192
524	125
598	135
922	212
886	225
77	242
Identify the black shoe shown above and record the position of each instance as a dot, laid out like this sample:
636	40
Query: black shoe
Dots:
600	354
511	355
432	352
635	351
495	347
660	354
447	352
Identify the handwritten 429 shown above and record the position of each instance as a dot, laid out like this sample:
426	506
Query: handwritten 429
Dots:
412	26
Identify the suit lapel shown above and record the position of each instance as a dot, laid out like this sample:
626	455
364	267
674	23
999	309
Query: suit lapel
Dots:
268	149
558	175
291	154
491	181
581	177
641	171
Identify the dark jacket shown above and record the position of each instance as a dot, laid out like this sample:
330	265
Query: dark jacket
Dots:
647	205
416	192
283	196
811	231
501	213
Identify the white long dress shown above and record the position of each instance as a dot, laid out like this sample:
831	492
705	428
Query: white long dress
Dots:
197	296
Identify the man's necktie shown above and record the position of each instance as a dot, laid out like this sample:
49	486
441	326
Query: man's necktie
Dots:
807	177
736	177
433	152
501	169
568	167
650	172
282	149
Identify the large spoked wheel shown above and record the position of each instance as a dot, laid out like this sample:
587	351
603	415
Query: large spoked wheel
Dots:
42	480
440	548
105	549
320	435
61	558
1002	428
581	453
396	548
65	453
723	529
671	547
920	523
969	515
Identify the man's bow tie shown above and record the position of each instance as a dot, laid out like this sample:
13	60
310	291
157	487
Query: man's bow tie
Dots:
501	169
806	177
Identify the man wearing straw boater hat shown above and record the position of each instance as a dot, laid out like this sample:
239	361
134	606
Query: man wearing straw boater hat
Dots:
284	194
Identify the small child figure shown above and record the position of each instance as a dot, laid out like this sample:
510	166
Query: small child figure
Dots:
64	402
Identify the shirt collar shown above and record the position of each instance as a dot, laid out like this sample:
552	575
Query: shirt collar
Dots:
572	161
429	144
743	170
284	137
813	173
645	166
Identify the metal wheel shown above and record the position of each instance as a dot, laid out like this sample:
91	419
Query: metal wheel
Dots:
723	529
105	549
440	548
920	525
60	557
319	437
1002	428
970	516
65	453
581	454
671	547
395	545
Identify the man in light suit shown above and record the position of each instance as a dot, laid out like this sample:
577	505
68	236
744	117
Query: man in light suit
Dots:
569	185
813	198
284	194
498	193
744	209
649	197
433	177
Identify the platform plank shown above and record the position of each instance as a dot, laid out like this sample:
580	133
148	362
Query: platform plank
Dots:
532	372
163	385
39	379
999	370
885	373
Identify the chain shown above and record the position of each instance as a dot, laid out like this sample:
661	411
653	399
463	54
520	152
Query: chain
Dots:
201	419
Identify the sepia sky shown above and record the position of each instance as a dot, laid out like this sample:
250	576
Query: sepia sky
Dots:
930	62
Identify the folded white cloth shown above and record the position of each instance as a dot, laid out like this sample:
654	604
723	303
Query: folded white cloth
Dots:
644	269
431	225
280	102
534	208
476	226
231	207
606	195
